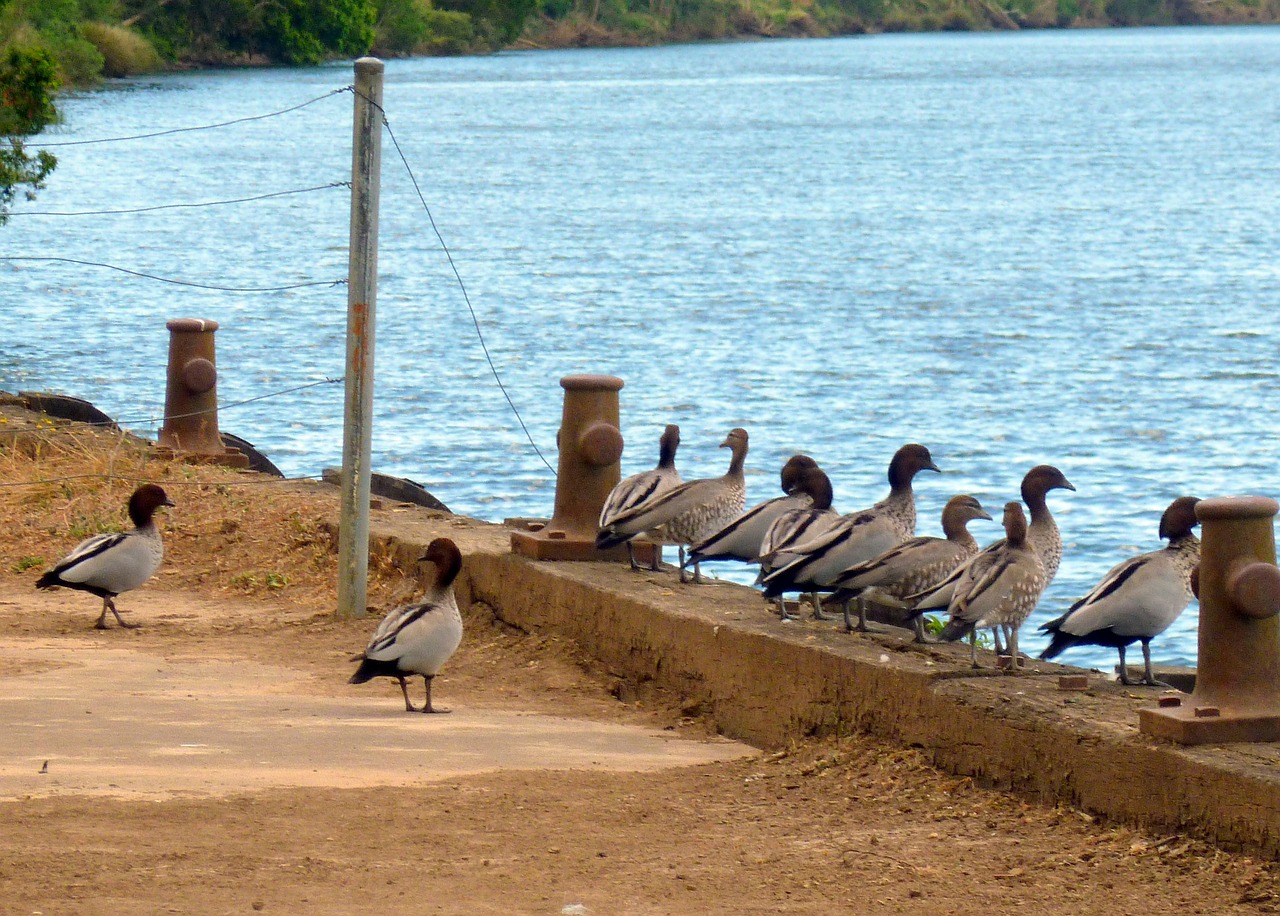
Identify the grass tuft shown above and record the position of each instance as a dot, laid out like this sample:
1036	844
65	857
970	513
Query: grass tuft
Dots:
235	532
124	52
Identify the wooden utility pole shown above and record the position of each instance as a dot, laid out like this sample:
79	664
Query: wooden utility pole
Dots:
362	290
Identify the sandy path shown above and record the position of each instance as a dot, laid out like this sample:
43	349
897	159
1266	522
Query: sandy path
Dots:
215	761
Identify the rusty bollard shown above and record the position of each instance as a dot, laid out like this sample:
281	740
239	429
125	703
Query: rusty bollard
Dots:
1237	692
590	445
190	428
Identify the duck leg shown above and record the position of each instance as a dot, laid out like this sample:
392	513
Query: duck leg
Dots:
1013	652
816	600
404	688
1124	670
1149	677
427	678
109	605
862	613
973	648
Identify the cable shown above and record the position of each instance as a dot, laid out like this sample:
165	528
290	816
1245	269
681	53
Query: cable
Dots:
104	424
210	203
261	397
462	286
167	483
136	273
179	130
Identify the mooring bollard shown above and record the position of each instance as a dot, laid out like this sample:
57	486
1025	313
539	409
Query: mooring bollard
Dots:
590	445
1237	692
191	396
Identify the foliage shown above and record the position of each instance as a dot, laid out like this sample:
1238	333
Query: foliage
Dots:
1137	12
272	31
28	79
308	31
416	27
54	26
89	39
123	51
497	22
27	83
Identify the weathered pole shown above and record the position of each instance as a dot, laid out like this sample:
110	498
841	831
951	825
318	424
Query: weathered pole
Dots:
362	290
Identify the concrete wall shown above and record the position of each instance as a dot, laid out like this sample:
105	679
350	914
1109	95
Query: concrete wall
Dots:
770	683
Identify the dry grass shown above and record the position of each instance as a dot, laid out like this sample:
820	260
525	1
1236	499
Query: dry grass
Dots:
124	52
234	532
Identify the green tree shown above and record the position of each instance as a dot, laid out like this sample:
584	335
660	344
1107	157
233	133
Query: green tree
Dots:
282	31
28	79
497	22
307	31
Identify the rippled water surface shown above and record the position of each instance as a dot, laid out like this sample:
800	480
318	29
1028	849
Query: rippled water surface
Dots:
1014	248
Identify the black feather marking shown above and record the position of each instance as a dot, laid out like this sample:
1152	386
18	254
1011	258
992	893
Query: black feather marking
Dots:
389	639
372	667
1118	581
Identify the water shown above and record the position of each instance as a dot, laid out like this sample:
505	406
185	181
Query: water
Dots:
1015	248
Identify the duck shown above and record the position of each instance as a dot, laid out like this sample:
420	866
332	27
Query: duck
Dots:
858	536
691	511
1042	534
418	638
636	489
1138	599
741	538
110	564
914	565
999	588
797	525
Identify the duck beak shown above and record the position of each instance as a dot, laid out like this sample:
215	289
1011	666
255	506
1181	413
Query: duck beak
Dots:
986	515
933	467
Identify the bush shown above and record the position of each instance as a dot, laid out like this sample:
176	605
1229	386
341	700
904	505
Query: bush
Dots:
124	52
28	80
414	27
1136	12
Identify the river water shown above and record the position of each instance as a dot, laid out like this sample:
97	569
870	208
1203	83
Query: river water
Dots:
1014	248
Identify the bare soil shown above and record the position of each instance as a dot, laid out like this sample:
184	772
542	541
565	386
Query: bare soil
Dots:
239	624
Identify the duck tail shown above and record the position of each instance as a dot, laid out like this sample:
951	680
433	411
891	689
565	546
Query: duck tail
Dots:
955	629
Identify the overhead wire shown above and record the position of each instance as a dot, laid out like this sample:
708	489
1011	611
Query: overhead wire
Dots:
205	286
248	481
207	203
188	283
458	277
135	421
180	130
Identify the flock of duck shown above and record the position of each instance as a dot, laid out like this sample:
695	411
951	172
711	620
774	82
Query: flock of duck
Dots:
803	545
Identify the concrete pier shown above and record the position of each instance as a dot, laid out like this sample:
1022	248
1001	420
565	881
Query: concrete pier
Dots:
771	683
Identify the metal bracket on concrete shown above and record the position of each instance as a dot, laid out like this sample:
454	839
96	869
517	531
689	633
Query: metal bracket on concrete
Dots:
1237	692
590	445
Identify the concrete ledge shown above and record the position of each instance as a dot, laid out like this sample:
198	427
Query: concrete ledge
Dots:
771	683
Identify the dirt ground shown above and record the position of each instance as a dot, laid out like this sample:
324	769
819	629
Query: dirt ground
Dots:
837	826
216	761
